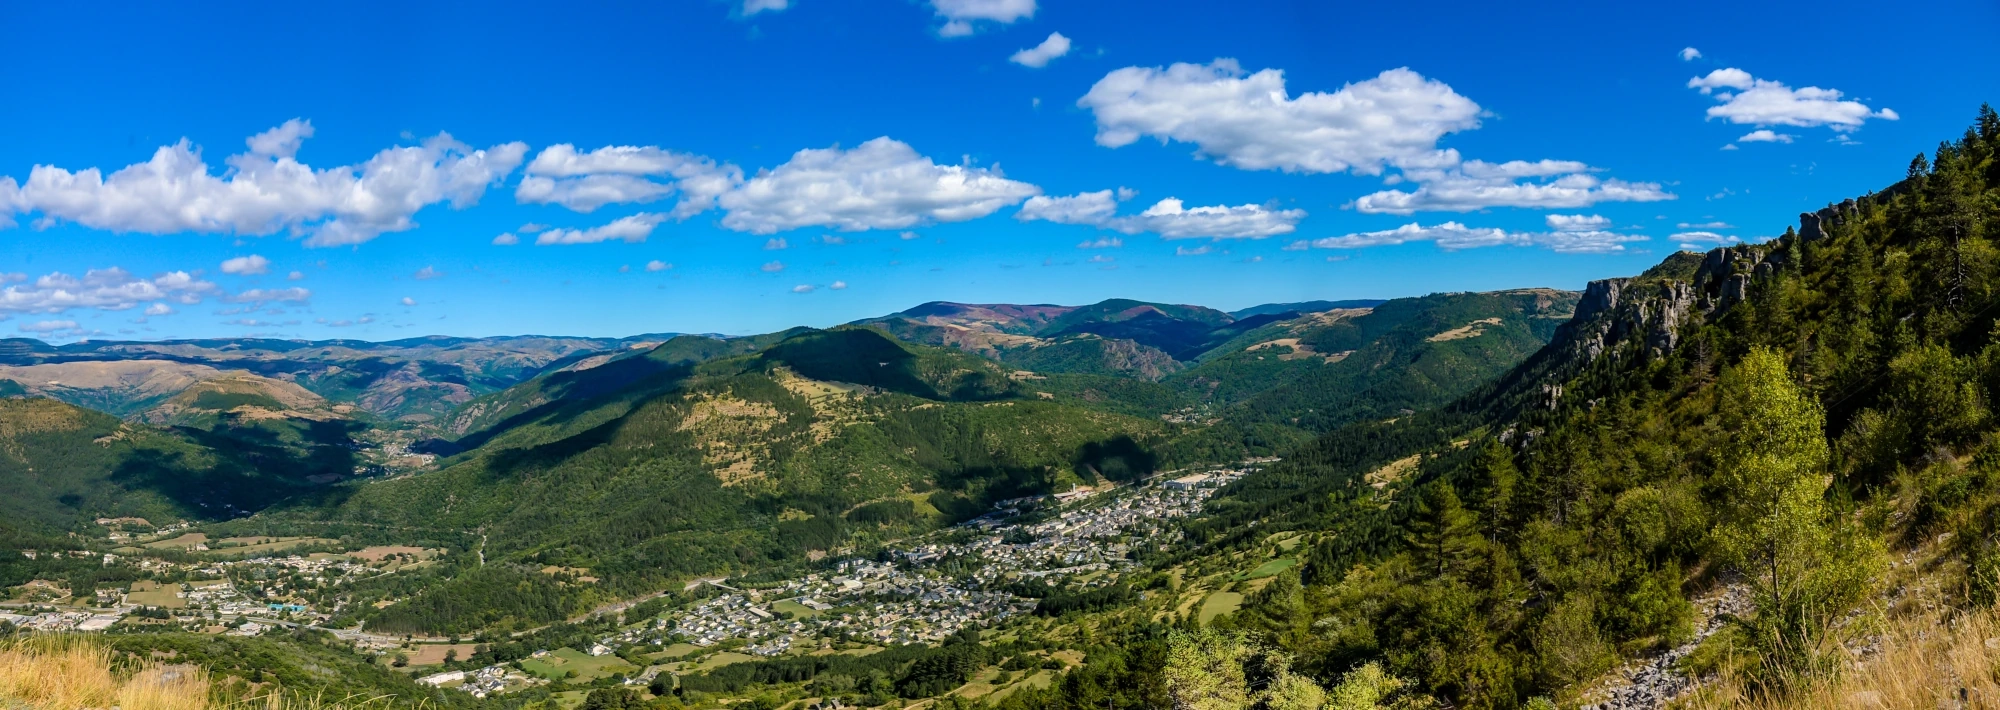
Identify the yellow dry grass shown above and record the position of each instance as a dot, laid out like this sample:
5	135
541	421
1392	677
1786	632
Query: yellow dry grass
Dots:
74	673
1924	661
53	673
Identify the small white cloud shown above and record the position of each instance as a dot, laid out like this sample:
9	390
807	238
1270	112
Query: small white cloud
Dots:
506	239
1251	121
110	289
247	265
1102	259
774	244
1706	225
752	7
624	268
407	301
1452	236
1765	135
1476	185
1576	222
772	267
584	181
1690	54
831	239
959	15
1197	251
907	236
295	276
1101	243
1300	245
427	273
657	265
1697	241
803	288
1730	146
1746	99
838	286
1040	55
880	184
632	229
159	309
1169	217
533	228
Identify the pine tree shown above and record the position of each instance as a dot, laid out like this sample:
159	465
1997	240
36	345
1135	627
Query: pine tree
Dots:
1443	535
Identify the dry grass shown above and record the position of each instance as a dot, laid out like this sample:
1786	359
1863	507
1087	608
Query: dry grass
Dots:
65	672
1922	661
76	673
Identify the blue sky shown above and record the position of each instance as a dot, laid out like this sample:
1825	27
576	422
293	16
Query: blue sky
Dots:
902	151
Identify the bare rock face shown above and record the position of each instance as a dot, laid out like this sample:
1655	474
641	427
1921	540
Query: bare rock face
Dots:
1735	288
1599	297
1661	319
1809	227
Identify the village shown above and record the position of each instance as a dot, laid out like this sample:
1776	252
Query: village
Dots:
920	591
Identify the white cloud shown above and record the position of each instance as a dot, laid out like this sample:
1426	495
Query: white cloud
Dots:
1101	243
632	229
159	309
1300	245
838	285
1452	236
1169	218
1197	251
267	189
622	174
803	288
1765	135
261	296
1762	102
960	14
532	228
657	265
907	236
506	239
775	243
1102	259
1705	225
247	265
1576	222
1040	55
1094	208
1697	241
752	7
427	273
11	201
1172	221
111	289
773	266
1249	121
295	276
1476	185
407	301
880	184
48	326
1690	54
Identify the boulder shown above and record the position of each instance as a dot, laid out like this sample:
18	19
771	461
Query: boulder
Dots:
1809	227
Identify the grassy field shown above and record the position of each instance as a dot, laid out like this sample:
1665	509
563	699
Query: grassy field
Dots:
674	651
1286	541
150	593
561	661
184	541
717	661
1271	568
1218	604
272	544
796	609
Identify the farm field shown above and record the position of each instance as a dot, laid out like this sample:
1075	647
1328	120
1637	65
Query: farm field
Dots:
1271	568
1218	604
150	593
433	653
561	661
183	541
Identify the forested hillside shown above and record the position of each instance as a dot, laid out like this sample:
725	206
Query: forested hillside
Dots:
1778	421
